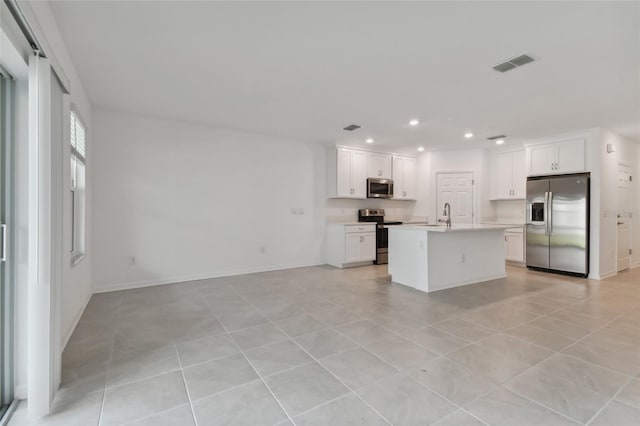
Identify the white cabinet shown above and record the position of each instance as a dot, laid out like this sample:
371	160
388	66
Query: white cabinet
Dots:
351	244
404	178
378	165
347	173
514	245
556	158
508	177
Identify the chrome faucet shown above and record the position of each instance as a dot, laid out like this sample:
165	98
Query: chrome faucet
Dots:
447	214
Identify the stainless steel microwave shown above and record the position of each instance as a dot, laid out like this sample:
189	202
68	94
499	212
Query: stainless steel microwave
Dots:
379	188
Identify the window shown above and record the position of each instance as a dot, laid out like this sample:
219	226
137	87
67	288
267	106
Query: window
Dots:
78	166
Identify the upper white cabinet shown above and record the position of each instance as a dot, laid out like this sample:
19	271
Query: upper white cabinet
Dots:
378	165
347	173
349	168
508	176
566	156
404	178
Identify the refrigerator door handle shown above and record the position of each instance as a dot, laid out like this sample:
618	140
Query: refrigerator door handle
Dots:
546	214
550	214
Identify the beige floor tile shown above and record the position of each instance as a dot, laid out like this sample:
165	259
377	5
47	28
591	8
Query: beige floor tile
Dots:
325	342
248	405
504	408
569	386
459	418
141	399
205	349
500	357
357	368
618	414
305	387
348	410
275	357
452	380
400	353
464	329
218	375
404	402
363	331
540	337
435	340
630	394
180	416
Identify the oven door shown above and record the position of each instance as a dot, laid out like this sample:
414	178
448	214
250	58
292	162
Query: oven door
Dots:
379	188
382	245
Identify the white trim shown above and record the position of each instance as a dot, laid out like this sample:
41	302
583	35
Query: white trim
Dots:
75	322
185	278
31	17
20	392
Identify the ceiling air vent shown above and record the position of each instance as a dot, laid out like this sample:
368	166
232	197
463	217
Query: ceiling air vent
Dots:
493	138
513	63
351	127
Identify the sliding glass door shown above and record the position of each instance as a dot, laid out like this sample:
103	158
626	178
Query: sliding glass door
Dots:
6	273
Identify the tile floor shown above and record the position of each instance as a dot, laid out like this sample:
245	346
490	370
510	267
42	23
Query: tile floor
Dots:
322	346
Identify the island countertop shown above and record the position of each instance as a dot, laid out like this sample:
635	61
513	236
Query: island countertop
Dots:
443	228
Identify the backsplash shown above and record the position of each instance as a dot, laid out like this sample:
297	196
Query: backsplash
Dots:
341	210
510	211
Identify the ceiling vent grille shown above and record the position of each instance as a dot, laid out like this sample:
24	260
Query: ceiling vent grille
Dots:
513	63
493	138
351	127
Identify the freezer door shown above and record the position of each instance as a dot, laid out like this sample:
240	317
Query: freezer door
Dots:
568	204
537	235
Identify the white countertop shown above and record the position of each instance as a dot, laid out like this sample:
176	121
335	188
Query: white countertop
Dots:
512	224
351	223
454	228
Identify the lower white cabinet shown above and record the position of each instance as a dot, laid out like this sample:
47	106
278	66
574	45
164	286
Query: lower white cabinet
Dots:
514	245
351	244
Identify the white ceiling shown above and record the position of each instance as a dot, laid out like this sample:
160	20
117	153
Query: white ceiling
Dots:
305	70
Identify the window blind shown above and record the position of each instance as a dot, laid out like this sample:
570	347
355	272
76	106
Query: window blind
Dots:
78	147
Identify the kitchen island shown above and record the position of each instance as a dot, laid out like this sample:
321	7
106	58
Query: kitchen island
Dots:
434	257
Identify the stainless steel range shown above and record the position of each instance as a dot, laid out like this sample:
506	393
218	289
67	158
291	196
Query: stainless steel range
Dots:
382	234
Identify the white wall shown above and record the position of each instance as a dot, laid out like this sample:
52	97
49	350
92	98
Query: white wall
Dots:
189	201
76	285
473	160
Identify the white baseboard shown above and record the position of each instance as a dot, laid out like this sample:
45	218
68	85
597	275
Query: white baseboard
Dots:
603	276
185	278
20	392
634	265
75	322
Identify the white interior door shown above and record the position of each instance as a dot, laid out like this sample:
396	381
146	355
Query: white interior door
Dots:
624	216
457	190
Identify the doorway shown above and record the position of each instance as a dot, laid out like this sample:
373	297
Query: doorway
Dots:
455	188
624	217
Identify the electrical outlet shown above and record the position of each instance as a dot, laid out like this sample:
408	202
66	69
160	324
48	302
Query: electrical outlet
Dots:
463	258
132	260
300	210
263	249
294	210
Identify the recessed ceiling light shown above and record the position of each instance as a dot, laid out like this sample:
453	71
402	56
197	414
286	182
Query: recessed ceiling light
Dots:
369	140
421	148
414	122
499	141
468	135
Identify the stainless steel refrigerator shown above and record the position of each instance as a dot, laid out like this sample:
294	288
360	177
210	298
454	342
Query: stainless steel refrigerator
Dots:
558	223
